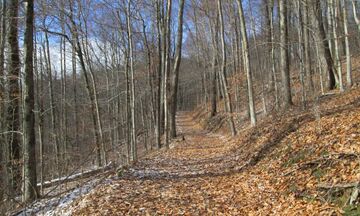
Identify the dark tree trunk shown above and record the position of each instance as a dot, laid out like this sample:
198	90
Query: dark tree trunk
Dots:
30	187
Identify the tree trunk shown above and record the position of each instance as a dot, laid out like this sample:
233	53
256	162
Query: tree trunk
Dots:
357	20
306	41
336	42
228	106
30	178
13	110
55	141
3	148
132	83
159	75
329	64
347	45
247	67
271	40
40	117
284	59
175	77
166	72
302	58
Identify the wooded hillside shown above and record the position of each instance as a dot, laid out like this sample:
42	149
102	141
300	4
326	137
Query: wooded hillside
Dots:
214	106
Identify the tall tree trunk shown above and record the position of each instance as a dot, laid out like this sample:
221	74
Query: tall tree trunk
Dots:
347	44
132	83
54	124
30	177
167	63
149	77
74	90
336	42
302	58
175	77
246	59
228	106
3	148
13	110
271	39
40	117
329	64
159	75
214	67
305	29
284	59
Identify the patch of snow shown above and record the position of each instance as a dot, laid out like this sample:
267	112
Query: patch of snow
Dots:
59	205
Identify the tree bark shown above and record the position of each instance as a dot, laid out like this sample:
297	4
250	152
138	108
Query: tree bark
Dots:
284	59
329	64
228	106
246	57
347	45
336	42
30	177
176	70
13	110
167	64
357	20
132	83
3	148
271	40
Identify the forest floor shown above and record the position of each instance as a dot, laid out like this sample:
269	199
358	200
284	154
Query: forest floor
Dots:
294	163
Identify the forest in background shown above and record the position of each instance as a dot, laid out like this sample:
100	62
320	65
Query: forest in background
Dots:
87	82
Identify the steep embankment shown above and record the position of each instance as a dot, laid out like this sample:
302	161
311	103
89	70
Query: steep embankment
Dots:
294	163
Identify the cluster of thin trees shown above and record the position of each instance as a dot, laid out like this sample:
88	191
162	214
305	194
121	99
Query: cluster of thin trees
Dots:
100	80
264	49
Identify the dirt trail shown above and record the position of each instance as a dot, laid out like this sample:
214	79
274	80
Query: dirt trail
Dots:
189	178
198	154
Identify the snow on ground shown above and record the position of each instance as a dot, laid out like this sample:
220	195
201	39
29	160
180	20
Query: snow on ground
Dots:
60	205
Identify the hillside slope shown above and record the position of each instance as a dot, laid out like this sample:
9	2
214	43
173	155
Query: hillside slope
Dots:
294	163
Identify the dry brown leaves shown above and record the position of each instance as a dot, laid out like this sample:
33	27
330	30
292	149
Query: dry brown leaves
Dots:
271	170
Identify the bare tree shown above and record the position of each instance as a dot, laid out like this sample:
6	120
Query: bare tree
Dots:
347	44
334	26
176	70
228	106
247	62
328	64
284	59
13	110
30	177
132	82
